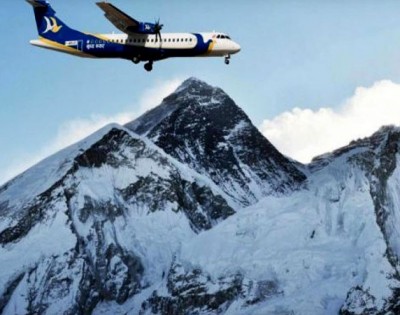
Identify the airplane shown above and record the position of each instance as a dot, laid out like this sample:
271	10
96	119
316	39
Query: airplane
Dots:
141	41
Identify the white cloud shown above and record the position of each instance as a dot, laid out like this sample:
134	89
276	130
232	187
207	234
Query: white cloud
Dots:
77	129
303	133
299	133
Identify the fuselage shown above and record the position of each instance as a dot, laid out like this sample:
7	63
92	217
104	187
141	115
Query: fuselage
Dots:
139	42
146	47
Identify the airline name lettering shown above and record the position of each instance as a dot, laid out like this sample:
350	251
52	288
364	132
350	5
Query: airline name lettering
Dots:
95	46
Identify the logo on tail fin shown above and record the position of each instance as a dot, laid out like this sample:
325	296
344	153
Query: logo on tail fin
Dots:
51	25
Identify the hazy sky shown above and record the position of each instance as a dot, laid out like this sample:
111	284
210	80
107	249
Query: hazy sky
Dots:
327	59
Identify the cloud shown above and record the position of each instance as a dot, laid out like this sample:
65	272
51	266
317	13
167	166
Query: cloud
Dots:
77	129
72	131
299	133
304	133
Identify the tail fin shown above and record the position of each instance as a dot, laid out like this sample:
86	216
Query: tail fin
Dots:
48	25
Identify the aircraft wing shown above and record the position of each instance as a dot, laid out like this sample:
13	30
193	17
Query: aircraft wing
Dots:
121	20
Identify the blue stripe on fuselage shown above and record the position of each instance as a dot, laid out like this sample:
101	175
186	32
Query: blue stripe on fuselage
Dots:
104	48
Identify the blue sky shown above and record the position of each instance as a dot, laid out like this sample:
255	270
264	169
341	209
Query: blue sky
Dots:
305	54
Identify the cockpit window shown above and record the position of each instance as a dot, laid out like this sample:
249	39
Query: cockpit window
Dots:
221	36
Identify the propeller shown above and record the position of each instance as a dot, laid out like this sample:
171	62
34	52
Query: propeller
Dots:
157	29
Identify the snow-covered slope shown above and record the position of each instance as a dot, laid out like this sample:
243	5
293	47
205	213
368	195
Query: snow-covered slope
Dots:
327	249
202	127
121	223
103	223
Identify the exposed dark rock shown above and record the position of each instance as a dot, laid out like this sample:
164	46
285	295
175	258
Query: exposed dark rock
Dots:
12	285
202	127
35	213
189	293
357	300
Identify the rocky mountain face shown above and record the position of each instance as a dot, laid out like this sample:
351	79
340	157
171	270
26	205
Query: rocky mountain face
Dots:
113	211
202	127
329	248
189	210
377	157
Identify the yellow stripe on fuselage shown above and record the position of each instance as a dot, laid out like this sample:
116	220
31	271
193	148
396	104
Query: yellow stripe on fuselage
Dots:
99	36
60	47
211	46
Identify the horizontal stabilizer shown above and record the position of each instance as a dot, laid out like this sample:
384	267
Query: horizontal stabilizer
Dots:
37	4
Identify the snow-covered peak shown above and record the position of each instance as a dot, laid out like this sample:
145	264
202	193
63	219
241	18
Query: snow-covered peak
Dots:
192	92
40	177
193	83
357	149
195	90
202	127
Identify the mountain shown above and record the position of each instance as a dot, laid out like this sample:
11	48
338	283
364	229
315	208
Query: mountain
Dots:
99	221
189	210
202	127
330	248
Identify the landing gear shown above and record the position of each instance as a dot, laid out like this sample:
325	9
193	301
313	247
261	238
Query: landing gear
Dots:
227	59
149	66
136	60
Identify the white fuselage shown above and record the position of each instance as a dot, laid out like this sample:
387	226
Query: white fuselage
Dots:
171	41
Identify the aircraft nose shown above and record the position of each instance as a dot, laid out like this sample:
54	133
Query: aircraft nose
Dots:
236	48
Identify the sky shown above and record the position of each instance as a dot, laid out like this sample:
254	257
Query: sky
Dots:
312	75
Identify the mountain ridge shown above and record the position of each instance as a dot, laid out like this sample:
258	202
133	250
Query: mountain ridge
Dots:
211	134
197	214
